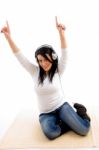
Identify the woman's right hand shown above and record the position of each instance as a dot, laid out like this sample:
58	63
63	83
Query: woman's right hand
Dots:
6	30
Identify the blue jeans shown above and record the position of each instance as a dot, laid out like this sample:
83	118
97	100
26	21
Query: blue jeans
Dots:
62	120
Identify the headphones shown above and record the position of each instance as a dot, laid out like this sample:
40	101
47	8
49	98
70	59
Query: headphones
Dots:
54	56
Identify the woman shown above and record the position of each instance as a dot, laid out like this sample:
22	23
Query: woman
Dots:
56	115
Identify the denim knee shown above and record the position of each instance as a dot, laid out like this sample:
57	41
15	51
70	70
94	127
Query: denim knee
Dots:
52	134
84	131
49	126
75	122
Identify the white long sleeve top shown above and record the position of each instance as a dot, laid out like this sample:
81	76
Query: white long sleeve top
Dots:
50	95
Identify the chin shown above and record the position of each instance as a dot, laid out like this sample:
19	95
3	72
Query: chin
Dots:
47	69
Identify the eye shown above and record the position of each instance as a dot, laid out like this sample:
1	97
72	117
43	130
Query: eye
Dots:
40	61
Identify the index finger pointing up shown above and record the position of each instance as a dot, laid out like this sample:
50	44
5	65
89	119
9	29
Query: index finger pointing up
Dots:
7	25
56	20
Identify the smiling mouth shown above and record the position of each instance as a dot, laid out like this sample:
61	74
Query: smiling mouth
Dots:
46	68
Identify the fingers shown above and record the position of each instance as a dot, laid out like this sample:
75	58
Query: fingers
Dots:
59	25
4	29
56	20
7	25
63	27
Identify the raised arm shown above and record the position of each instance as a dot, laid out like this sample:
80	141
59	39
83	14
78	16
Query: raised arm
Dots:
31	68
61	29
7	34
63	59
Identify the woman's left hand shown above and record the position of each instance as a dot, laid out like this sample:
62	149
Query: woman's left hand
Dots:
60	27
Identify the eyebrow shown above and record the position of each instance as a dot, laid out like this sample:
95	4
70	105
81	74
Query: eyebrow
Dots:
41	58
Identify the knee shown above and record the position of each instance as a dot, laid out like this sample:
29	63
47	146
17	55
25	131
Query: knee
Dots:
84	132
52	134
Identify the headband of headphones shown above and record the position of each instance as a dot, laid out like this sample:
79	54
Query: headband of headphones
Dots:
54	55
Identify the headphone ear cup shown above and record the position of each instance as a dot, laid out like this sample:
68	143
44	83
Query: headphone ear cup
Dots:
54	56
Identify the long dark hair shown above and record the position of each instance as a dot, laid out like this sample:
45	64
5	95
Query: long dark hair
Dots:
43	50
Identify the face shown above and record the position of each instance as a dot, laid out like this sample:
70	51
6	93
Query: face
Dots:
44	63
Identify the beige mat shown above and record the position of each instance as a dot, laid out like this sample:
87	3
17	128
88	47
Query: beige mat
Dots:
25	132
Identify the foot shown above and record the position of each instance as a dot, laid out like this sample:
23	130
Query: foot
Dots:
81	111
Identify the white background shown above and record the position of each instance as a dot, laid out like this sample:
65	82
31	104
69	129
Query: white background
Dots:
32	23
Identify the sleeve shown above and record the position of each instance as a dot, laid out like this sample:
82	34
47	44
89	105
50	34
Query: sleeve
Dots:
31	68
62	61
